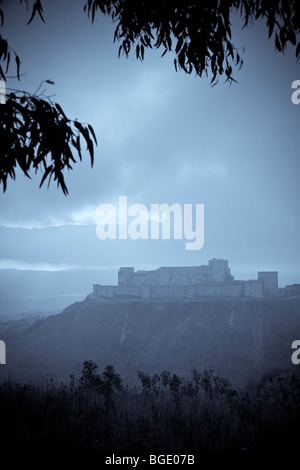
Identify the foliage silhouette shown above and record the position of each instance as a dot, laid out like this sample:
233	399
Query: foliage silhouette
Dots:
199	33
90	378
200	413
105	384
35	132
32	129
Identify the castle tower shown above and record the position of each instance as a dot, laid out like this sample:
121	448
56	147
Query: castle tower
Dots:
220	270
125	276
270	281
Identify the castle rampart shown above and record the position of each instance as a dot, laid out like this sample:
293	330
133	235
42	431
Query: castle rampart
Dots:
190	282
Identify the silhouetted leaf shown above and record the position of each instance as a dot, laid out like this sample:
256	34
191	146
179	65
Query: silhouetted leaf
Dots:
277	43
37	8
179	44
80	127
78	147
169	42
292	37
93	133
271	25
18	62
2	74
34	10
282	38
7	62
48	170
58	107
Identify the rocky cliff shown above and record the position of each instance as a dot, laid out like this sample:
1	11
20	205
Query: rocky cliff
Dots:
240	339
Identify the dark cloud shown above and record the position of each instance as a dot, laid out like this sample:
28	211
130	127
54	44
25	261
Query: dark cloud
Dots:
163	137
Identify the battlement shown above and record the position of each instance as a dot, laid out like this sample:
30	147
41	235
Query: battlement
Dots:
190	282
216	271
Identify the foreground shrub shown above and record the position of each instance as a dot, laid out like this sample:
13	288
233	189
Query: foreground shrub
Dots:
166	412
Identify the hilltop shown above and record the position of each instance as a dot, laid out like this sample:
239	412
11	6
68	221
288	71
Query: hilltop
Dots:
241	339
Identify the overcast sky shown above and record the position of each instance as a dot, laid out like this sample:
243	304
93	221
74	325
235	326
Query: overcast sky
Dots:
164	137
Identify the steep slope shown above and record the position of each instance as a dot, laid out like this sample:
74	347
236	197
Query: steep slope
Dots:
240	339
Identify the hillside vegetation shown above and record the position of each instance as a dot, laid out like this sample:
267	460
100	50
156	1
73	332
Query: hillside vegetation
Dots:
165	412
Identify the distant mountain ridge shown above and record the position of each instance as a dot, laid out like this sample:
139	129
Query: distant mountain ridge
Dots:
45	291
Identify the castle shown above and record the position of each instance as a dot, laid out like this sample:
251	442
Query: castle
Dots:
187	282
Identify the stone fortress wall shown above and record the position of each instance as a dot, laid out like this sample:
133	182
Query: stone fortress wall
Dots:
190	282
